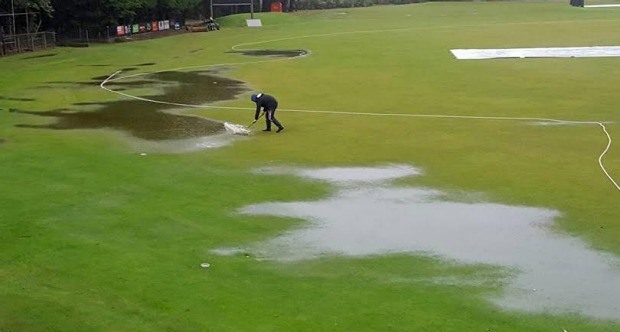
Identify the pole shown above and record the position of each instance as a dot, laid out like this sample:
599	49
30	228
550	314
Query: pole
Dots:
13	15
2	40
30	38
211	8
252	9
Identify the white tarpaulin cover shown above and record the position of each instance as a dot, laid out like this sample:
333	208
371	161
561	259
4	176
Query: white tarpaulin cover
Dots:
551	52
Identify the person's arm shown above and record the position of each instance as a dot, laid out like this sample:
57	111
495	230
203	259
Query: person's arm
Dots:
257	111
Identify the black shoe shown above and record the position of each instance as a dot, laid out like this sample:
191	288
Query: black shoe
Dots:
266	129
280	129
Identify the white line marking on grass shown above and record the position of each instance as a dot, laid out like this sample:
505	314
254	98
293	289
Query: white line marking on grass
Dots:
440	116
601	6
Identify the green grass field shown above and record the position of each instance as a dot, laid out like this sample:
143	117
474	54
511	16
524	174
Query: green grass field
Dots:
95	237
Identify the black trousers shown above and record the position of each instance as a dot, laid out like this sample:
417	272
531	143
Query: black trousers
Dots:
270	116
577	3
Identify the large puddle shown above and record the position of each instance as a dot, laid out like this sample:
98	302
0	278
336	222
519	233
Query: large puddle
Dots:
148	121
368	215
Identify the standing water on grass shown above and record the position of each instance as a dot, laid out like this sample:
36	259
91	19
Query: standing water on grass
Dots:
155	123
370	216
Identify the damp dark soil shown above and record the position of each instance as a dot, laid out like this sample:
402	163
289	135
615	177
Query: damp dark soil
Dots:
145	119
275	53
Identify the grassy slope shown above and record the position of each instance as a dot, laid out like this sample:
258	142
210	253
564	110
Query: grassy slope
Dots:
95	237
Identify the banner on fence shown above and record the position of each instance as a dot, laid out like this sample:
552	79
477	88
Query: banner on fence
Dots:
123	30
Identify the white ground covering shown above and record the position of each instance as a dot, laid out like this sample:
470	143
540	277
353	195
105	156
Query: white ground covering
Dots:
547	52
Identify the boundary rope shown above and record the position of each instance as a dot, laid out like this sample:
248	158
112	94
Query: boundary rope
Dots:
113	77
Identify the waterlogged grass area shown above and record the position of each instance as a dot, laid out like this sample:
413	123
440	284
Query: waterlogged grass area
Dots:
110	200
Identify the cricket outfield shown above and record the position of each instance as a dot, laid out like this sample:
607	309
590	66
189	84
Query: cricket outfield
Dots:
410	191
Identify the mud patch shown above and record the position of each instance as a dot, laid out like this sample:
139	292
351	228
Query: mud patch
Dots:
274	53
549	272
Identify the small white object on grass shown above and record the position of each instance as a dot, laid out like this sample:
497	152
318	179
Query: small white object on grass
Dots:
205	265
236	129
254	23
143	154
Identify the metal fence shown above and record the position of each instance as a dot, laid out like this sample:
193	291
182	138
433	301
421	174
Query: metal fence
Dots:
27	42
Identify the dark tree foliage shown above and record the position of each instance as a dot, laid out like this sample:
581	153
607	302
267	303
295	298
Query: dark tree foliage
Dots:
98	14
28	15
43	7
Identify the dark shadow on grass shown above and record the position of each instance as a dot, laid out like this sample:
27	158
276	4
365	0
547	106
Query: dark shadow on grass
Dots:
94	65
274	53
16	99
40	56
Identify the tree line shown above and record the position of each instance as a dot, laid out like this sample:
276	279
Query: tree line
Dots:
67	15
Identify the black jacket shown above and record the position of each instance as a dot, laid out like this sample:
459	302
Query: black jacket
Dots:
267	103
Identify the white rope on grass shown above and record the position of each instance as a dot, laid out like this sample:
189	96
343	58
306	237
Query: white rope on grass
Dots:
600	158
439	116
444	116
